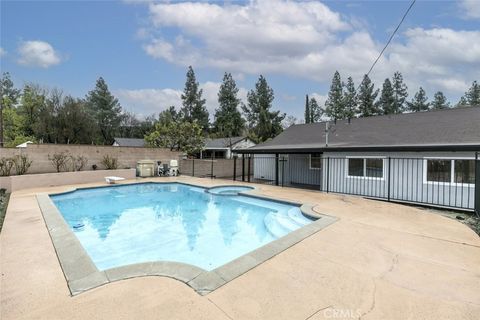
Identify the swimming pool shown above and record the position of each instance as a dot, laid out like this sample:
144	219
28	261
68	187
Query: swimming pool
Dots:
129	224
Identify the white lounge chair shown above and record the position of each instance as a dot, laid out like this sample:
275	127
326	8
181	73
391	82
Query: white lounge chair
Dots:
112	180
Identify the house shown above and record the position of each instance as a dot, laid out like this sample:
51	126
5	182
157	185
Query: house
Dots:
128	142
224	148
424	157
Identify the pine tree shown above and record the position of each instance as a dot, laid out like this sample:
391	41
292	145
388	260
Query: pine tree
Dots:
193	105
440	101
387	98
263	123
334	107
399	92
462	102
472	96
315	111
366	98
8	98
419	102
307	110
350	99
228	120
106	111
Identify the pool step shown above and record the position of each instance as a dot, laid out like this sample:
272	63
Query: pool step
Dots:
296	215
279	225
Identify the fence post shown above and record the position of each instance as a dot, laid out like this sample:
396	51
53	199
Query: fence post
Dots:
328	174
234	168
193	167
477	185
389	177
276	169
248	170
243	167
283	171
211	167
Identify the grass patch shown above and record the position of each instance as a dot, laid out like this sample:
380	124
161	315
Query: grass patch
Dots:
3	205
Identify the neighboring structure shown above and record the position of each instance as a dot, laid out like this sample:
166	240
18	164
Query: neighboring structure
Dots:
24	145
224	148
128	142
425	157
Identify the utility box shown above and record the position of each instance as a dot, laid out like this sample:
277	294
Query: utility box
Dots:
146	168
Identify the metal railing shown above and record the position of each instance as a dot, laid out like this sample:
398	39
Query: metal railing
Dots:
443	182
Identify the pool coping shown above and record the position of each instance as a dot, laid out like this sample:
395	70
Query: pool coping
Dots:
82	274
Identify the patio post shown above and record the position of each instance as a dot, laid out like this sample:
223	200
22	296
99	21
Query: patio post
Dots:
328	173
234	167
211	167
276	169
193	167
477	185
389	176
248	168
243	167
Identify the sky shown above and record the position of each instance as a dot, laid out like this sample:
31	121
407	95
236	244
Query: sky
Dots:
143	48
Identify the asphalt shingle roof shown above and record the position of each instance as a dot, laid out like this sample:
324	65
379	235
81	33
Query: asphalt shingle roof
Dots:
222	142
459	126
130	142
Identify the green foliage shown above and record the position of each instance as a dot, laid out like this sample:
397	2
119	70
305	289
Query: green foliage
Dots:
307	110
106	110
21	163
366	98
263	124
33	100
350	100
6	165
419	102
334	106
440	101
169	115
228	119
399	92
193	104
386	101
315	111
182	136
472	96
109	162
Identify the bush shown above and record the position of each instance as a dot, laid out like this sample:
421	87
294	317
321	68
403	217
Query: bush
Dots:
21	163
78	163
6	165
59	161
110	163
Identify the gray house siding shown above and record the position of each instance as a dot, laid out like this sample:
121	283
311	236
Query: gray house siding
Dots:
403	179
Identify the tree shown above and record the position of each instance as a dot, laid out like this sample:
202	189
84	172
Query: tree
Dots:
462	102
263	123
440	101
419	102
334	106
75	123
315	111
289	121
106	111
387	98
307	110
472	96
193	104
46	124
32	101
228	119
350	100
183	136
366	98
399	92
8	98
169	115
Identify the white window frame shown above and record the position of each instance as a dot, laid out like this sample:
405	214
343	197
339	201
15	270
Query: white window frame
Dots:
452	182
310	161
365	167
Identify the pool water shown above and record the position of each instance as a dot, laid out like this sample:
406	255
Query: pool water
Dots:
129	224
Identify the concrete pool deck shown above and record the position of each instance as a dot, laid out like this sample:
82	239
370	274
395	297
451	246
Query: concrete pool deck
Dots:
378	261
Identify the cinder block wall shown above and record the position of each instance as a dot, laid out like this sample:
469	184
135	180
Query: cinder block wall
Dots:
127	156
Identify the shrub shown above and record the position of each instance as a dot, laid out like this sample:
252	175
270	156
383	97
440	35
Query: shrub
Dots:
78	163
21	163
59	161
110	162
6	165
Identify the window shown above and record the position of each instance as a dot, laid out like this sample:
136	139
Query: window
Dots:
369	167
439	170
450	171
464	171
315	160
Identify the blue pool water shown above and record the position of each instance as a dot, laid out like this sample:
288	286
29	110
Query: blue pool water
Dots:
172	222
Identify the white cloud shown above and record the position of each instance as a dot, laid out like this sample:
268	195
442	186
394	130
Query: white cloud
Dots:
2	52
308	40
38	54
152	101
470	9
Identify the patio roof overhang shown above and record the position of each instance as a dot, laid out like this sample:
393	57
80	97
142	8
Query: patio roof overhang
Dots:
396	148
